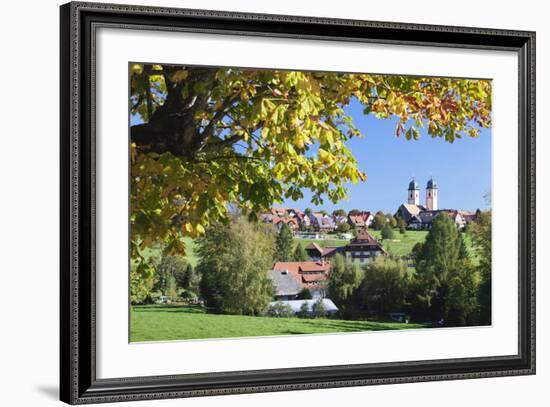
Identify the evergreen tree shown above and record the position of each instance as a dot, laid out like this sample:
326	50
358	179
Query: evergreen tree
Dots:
445	282
304	310
300	253
461	305
305	294
481	235
284	244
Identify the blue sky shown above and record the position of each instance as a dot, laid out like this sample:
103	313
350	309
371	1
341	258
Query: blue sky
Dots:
462	170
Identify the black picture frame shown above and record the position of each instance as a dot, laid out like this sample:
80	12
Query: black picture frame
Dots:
78	382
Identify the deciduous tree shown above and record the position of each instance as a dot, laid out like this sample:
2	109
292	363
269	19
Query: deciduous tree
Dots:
345	277
204	138
379	220
339	212
384	286
233	262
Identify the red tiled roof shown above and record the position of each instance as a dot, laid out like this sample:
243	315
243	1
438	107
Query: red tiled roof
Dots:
314	266
288	221
311	278
297	268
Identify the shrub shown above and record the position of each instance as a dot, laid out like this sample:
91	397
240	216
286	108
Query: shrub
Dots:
343	228
319	309
279	310
305	294
304	310
387	232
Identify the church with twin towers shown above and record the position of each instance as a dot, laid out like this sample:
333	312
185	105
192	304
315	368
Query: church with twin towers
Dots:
431	195
420	216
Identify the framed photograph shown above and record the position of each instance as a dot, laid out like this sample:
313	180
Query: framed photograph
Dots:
256	203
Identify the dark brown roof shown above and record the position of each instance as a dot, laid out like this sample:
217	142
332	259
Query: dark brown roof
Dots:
314	246
363	239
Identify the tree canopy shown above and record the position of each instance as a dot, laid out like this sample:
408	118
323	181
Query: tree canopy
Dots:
233	262
445	285
384	286
208	139
345	277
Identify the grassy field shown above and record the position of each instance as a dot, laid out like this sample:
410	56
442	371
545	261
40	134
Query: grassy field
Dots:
322	242
401	245
170	322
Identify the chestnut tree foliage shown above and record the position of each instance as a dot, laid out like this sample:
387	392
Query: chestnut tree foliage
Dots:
211	138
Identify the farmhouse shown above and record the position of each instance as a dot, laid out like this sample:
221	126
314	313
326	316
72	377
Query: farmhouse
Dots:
311	275
286	286
317	253
363	248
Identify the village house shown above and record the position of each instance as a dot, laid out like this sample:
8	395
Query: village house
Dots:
317	253
322	222
311	275
286	286
361	220
292	217
363	248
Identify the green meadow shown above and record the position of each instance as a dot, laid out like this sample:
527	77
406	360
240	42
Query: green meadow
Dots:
173	322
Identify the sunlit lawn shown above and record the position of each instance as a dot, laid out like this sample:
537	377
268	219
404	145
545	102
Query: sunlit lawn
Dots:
171	322
401	244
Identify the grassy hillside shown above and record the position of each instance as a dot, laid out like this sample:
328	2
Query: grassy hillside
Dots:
166	322
190	249
322	242
402	244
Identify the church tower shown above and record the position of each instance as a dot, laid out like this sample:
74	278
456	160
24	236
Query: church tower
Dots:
431	195
414	193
